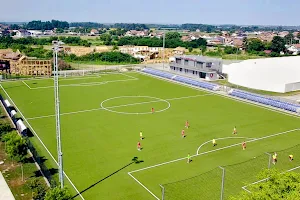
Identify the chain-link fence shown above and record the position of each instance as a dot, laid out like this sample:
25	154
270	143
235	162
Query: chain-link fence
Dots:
224	182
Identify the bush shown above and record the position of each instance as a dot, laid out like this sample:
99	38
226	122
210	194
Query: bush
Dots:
16	146
4	128
38	189
57	193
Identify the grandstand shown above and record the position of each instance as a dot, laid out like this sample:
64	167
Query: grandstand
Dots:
236	93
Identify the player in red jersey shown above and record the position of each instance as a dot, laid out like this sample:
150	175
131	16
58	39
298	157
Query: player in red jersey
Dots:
182	133
187	125
152	110
244	145
139	146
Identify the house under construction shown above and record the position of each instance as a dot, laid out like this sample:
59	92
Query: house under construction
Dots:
18	64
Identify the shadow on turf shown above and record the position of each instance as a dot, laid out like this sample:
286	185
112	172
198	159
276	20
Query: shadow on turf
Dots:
133	161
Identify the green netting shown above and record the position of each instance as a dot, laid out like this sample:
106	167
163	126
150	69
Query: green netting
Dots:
204	186
208	185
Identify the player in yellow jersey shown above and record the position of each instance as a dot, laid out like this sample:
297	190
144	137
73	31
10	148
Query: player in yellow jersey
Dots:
291	157
234	131
214	142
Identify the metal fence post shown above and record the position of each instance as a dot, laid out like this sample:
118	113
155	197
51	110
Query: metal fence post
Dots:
222	186
270	160
163	192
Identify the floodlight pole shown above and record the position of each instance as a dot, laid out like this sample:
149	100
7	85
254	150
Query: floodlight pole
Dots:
56	47
164	41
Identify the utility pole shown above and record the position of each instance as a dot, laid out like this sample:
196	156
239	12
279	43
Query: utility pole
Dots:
56	48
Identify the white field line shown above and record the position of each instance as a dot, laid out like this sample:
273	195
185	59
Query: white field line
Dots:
118	106
220	139
23	117
226	147
245	186
26	84
227	96
85	84
207	152
129	173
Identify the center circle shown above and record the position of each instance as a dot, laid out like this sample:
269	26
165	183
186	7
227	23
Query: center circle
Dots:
150	102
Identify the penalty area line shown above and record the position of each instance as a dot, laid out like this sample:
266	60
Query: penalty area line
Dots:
129	173
207	152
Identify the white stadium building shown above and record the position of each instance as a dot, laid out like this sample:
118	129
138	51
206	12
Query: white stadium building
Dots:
270	74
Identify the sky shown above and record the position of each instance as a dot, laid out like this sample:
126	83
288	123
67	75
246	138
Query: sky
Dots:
240	12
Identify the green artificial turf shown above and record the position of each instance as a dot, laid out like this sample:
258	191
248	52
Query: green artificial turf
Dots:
99	144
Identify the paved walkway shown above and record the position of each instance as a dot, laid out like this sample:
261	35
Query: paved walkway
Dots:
5	193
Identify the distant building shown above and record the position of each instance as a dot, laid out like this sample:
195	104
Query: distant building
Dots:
198	66
179	51
22	33
22	65
94	32
294	49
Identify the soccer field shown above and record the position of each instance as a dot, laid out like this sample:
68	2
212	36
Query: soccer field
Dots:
102	115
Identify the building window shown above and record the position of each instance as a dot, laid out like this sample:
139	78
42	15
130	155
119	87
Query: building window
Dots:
178	61
209	65
199	64
186	62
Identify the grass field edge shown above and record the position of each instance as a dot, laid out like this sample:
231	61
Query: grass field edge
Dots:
40	141
226	96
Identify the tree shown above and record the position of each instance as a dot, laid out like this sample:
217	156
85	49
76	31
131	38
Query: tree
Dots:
115	47
59	30
38	189
255	45
278	44
57	193
16	147
230	50
278	186
190	49
289	39
173	35
245	43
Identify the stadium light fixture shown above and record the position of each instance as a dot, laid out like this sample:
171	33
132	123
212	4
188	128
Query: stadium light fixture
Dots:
56	48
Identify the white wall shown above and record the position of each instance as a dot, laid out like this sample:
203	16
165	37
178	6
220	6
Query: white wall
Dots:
292	87
211	76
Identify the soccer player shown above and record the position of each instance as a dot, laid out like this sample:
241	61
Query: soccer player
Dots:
182	133
291	157
188	158
274	157
152	110
141	135
139	145
187	125
214	142
234	131
244	145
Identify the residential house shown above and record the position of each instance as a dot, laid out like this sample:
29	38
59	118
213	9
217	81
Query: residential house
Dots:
266	36
49	32
294	49
179	51
186	38
94	32
35	33
237	42
283	33
22	33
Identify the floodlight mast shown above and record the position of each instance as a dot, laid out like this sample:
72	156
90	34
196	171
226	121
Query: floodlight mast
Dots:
56	48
